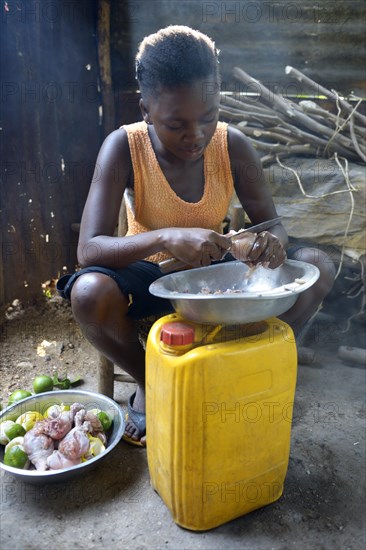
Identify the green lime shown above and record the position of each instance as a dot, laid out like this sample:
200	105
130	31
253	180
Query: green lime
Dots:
18	395
15	457
16	430
16	442
42	383
4	426
105	420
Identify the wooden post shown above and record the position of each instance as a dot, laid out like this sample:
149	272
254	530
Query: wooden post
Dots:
108	117
105	376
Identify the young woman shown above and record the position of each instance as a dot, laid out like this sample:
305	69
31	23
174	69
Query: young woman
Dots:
177	169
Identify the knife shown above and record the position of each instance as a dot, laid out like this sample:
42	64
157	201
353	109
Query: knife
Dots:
172	264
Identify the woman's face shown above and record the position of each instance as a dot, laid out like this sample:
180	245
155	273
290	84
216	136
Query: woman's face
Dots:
184	118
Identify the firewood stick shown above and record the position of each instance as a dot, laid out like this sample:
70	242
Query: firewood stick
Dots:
292	111
345	124
308	107
271	158
230	113
324	91
265	120
267	97
247	116
306	125
276	136
320	141
246	105
320	114
248	110
319	111
241	98
319	128
268	159
306	137
331	118
355	355
280	148
258	118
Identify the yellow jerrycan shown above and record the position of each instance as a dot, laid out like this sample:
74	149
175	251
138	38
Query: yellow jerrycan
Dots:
219	404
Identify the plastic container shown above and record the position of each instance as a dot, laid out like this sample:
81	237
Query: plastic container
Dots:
219	413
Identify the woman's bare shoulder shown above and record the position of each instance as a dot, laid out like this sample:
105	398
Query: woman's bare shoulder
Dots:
116	144
240	147
114	159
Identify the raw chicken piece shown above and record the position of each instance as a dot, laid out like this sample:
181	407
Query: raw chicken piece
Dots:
38	447
79	417
58	461
75	408
96	424
58	427
76	443
84	415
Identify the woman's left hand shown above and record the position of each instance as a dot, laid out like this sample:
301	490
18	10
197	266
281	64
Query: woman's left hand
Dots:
265	248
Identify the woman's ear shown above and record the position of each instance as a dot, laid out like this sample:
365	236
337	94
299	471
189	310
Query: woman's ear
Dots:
144	111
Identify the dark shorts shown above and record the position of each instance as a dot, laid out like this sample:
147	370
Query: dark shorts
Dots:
134	282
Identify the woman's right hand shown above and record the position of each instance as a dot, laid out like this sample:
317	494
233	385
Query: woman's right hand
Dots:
195	246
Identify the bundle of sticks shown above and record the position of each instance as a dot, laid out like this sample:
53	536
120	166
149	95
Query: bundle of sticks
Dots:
279	127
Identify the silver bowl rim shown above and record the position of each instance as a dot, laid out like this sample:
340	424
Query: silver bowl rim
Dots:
156	288
54	473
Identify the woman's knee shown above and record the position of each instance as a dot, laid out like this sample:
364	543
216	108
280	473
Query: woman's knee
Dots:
93	294
322	261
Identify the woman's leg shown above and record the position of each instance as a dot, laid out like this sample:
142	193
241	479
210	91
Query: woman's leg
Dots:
100	308
309	301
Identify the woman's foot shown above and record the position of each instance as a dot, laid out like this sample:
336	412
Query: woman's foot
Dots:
135	430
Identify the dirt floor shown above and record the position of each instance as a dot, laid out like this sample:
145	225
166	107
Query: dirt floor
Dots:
114	507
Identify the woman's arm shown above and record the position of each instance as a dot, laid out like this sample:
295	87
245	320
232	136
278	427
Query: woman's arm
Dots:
97	243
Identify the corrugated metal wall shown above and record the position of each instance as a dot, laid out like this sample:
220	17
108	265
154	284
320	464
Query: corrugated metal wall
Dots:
323	39
51	133
49	139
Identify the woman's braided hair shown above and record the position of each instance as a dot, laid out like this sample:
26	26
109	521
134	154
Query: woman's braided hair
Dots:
175	56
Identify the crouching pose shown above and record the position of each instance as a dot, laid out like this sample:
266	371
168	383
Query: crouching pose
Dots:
177	169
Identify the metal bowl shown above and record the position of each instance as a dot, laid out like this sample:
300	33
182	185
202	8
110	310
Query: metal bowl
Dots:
40	403
247	296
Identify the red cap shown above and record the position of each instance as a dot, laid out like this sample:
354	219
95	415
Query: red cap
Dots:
177	334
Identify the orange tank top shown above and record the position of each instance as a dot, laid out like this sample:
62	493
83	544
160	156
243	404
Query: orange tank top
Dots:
154	205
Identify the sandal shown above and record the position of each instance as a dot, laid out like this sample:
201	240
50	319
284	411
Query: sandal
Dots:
138	419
